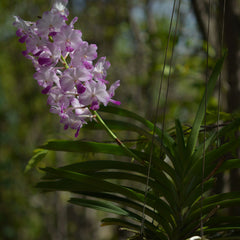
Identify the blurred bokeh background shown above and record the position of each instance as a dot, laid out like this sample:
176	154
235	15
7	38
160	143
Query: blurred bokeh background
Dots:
132	34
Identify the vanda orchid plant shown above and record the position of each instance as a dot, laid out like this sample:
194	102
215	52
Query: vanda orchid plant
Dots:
178	203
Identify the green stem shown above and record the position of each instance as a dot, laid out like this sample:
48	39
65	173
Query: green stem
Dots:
64	62
109	131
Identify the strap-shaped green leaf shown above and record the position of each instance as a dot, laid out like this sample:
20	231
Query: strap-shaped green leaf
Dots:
95	147
157	187
209	204
228	165
197	155
39	154
215	199
163	217
105	186
195	195
83	147
156	216
210	162
180	138
104	206
150	230
63	185
222	132
206	209
92	166
224	221
131	177
224	200
120	222
223	229
155	234
192	140
180	150
97	185
162	184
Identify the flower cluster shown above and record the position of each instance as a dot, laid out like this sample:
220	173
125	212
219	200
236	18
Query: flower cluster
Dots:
75	85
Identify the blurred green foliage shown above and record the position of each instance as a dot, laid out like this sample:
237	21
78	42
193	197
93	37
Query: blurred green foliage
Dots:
133	36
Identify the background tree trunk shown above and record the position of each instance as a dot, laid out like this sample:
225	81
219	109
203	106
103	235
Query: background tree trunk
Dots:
232	39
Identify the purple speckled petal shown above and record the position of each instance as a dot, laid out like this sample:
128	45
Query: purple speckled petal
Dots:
46	90
44	61
80	88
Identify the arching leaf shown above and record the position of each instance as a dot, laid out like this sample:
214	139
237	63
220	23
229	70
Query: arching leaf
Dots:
192	140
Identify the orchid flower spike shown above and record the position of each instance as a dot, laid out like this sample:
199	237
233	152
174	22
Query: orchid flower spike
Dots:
65	68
